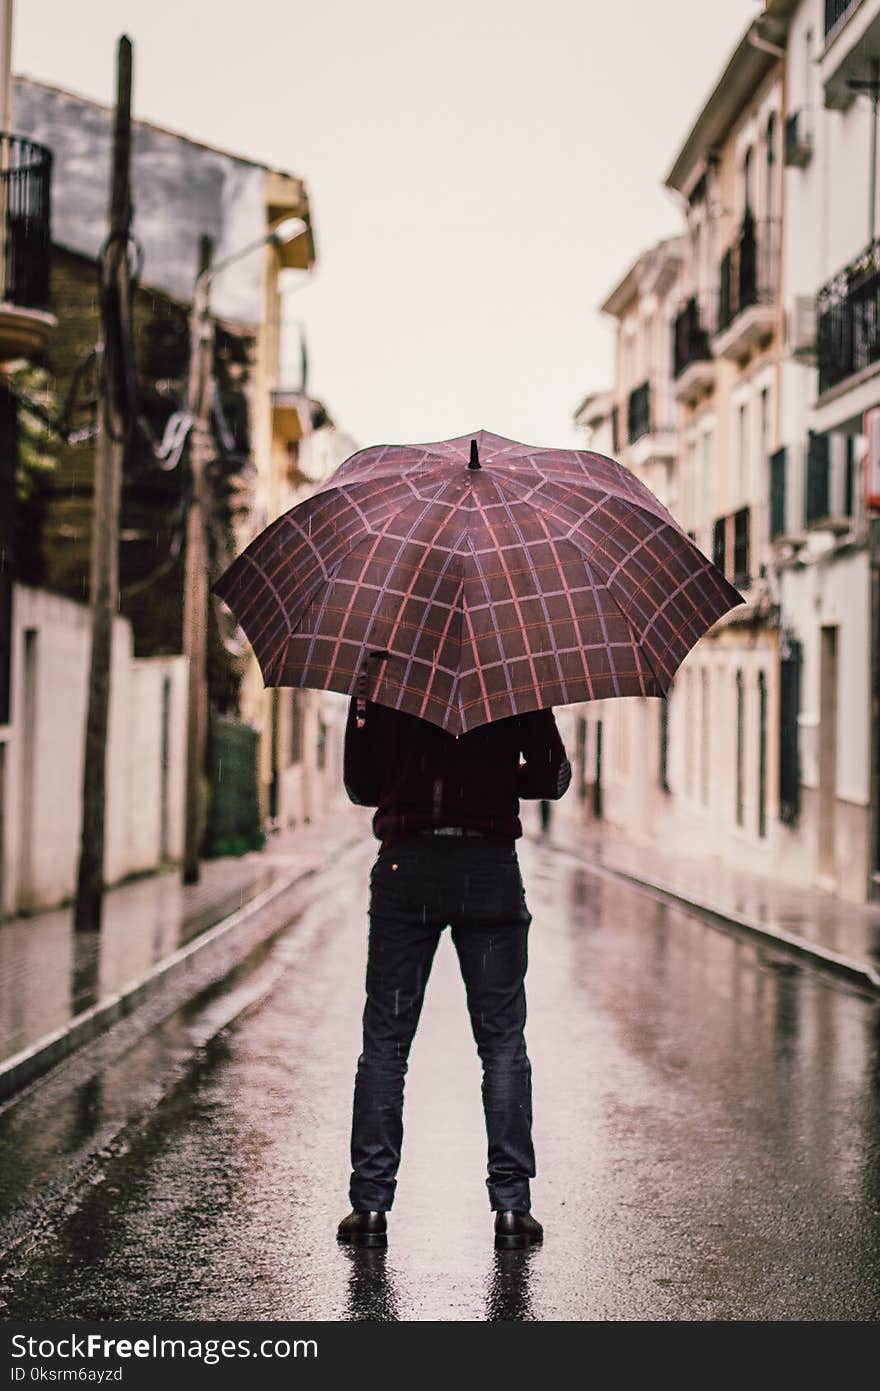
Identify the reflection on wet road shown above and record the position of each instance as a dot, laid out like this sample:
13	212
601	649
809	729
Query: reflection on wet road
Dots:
707	1128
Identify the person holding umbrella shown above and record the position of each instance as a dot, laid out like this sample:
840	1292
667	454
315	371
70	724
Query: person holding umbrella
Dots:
458	592
448	819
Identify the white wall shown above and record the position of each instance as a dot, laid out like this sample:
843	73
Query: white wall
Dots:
41	850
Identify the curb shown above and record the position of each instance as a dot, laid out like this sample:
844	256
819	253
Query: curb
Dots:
228	941
857	972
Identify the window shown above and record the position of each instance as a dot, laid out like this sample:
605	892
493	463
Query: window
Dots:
629	357
742	446
321	748
689	506
648	345
740	741
789	709
818	476
770	168
697	256
705	736
808	68
719	544
621	751
762	754
706	468
295	727
664	743
778	469
690	733
765	422
747	180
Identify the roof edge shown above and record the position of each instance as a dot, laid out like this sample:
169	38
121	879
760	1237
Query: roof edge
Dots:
745	69
84	100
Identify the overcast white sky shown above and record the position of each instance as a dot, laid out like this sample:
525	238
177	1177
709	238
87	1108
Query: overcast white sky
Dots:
481	174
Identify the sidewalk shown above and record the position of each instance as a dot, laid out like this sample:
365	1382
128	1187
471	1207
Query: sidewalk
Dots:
54	982
833	934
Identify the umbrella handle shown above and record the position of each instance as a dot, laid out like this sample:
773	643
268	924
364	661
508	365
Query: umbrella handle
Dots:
361	708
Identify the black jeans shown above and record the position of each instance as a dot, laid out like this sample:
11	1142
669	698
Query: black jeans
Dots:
417	887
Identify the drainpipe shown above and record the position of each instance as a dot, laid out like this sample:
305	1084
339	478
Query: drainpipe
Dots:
757	40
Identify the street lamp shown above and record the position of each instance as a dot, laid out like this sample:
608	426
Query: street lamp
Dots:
195	594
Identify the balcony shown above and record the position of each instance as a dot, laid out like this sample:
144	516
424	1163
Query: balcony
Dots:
693	364
25	246
747	290
852	38
848	314
650	425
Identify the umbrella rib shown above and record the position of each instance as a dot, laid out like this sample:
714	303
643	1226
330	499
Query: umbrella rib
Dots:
541	598
609	580
608	583
647	502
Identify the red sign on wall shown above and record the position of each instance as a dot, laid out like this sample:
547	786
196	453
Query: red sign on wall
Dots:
871	427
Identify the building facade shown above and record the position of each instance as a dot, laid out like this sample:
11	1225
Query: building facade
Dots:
763	755
819	525
183	192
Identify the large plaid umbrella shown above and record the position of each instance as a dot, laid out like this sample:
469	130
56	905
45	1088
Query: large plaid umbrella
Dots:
473	579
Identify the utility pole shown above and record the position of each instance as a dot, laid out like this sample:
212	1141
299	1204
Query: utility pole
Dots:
109	453
195	592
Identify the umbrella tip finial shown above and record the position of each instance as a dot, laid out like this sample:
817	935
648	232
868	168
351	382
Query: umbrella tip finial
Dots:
475	456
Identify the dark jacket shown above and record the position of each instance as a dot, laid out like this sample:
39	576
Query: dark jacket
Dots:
418	776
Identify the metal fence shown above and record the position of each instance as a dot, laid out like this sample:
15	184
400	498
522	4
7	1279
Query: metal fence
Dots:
25	209
747	273
690	337
848	316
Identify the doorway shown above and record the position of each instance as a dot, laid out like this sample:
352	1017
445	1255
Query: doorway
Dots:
597	785
827	750
28	727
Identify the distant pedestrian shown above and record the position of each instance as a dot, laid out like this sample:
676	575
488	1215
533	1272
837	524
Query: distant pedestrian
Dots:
448	820
546	810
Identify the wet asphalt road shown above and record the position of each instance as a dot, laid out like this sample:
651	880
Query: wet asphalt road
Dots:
707	1128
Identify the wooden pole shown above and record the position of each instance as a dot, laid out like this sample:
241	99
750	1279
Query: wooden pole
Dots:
104	591
195	593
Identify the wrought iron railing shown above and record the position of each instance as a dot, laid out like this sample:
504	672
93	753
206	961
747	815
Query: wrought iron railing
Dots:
848	319
747	274
835	10
25	199
690	338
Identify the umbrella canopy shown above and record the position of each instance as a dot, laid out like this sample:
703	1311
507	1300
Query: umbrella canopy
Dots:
473	579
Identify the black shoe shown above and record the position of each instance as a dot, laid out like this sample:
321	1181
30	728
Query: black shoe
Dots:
516	1229
364	1229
